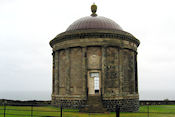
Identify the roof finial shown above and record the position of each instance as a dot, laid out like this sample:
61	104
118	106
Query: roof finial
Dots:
94	10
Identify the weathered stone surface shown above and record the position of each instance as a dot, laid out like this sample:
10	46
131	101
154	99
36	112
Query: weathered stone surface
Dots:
62	72
112	71
76	86
113	54
94	57
94	105
125	105
73	104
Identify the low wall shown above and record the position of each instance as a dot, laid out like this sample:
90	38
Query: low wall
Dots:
36	102
23	103
157	102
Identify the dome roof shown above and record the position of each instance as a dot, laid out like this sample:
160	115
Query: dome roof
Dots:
94	22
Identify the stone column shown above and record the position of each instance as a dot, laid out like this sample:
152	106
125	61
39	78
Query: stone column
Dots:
53	73
103	73
67	76
56	73
84	70
132	80
120	70
136	73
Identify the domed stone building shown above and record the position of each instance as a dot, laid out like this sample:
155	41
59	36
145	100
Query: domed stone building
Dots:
95	61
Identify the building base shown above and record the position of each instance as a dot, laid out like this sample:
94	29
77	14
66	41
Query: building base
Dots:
125	105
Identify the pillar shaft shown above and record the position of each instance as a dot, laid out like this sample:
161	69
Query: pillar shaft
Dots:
136	72
67	75
53	73
56	73
120	70
103	78
132	80
84	69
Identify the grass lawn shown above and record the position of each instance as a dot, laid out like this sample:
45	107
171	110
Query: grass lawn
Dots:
155	111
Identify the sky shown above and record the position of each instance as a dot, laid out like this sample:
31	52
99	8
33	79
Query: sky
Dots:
27	26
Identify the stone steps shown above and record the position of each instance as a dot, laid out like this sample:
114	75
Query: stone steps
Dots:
94	105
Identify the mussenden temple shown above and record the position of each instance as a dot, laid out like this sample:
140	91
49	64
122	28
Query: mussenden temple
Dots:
95	66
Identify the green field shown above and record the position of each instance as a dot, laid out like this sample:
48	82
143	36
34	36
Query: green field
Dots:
154	111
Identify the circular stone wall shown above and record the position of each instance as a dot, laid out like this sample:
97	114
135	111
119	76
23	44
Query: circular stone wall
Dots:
111	54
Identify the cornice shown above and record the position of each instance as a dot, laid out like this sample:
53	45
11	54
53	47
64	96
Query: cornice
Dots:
92	33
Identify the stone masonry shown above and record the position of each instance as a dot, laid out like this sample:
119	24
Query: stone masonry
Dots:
116	58
95	59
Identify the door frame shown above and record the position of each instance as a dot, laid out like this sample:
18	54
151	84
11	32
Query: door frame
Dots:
94	71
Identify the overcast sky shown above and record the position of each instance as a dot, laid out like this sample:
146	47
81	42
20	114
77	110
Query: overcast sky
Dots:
27	26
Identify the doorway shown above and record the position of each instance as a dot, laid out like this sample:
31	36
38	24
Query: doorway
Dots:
94	79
